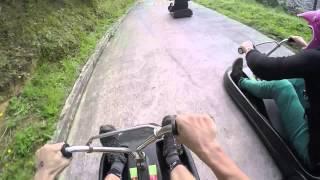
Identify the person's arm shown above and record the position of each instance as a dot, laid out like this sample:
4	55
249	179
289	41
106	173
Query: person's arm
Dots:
299	41
198	132
50	161
180	172
40	175
223	167
302	64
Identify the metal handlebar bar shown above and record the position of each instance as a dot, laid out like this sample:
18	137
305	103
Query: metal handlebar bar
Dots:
168	126
90	149
158	134
278	44
120	131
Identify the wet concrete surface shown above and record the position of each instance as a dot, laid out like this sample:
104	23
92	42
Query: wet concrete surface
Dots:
156	65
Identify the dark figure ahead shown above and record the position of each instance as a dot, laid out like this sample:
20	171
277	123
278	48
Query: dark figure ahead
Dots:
179	9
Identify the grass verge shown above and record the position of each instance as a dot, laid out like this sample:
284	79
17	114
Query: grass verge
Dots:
31	117
274	22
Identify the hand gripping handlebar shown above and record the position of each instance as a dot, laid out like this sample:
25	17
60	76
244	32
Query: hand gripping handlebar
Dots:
169	125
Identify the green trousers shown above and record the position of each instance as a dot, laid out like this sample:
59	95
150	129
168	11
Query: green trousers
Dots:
289	97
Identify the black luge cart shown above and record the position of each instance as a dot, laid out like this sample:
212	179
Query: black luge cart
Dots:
180	9
264	116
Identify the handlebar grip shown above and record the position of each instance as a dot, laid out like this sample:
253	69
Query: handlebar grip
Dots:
174	126
65	153
171	119
290	40
240	50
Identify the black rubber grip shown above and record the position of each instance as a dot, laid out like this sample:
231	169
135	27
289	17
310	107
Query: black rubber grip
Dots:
290	40
240	50
65	153
174	126
170	119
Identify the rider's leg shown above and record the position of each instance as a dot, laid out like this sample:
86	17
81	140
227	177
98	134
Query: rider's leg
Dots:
117	160
178	171
291	110
170	153
181	172
299	86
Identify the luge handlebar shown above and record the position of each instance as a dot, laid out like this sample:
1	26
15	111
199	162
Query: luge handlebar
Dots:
67	154
278	44
171	120
169	125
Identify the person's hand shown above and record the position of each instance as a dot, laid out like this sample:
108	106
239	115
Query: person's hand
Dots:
298	40
50	161
196	131
247	46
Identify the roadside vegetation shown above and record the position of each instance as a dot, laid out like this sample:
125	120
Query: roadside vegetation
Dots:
43	46
269	19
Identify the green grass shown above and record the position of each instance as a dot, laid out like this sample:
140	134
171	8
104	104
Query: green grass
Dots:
274	22
32	115
33	32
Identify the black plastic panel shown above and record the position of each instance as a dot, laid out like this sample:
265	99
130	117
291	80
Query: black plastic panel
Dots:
182	13
185	157
253	108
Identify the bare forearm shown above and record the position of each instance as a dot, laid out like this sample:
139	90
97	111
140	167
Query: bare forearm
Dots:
40	175
181	172
223	167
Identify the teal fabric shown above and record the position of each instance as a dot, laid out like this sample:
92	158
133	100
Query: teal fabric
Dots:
288	95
